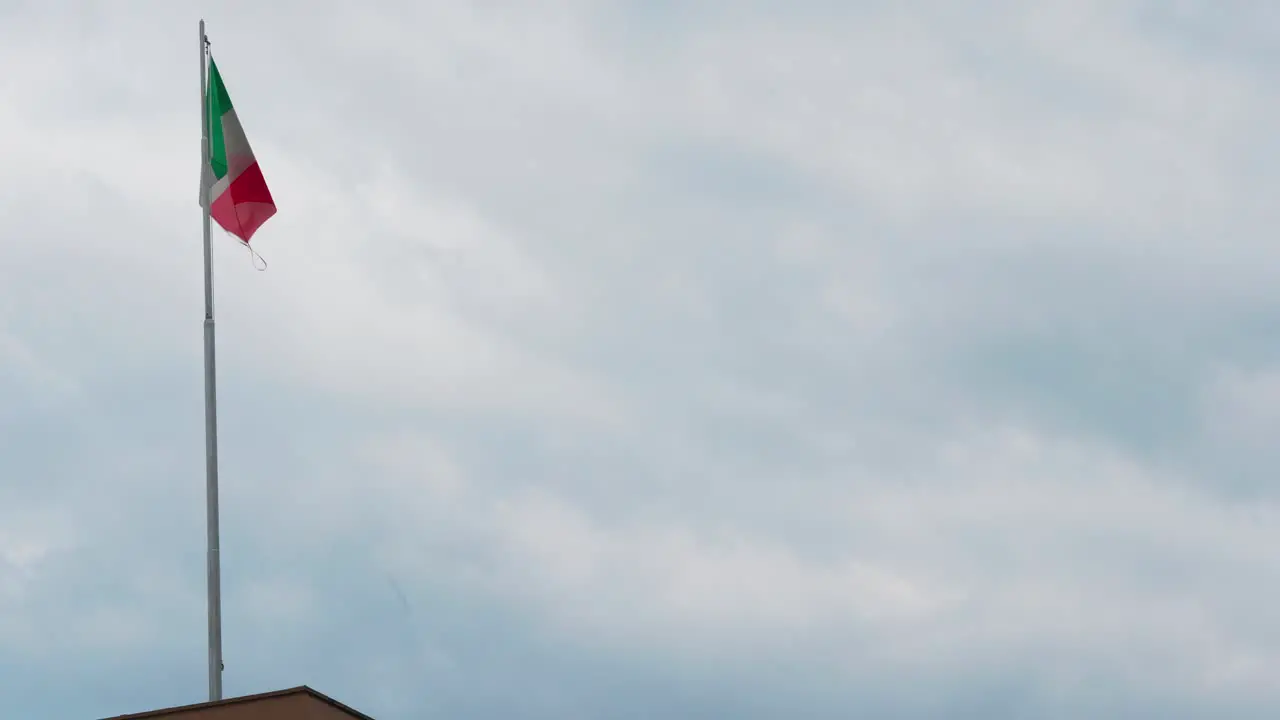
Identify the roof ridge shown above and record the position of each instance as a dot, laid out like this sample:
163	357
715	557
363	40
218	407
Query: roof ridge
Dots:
300	689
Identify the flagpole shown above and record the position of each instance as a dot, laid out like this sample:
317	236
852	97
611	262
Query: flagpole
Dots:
210	403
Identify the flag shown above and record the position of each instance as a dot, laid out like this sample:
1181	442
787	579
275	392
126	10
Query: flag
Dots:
239	199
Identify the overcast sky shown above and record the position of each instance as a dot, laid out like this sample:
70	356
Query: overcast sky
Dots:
650	359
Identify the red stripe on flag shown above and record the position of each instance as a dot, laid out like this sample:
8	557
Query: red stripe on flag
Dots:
245	205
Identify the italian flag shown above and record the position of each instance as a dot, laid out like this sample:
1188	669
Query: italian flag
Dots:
239	199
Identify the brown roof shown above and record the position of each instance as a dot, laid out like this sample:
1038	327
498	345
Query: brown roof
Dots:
301	692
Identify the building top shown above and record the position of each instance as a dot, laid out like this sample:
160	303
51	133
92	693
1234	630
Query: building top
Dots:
299	703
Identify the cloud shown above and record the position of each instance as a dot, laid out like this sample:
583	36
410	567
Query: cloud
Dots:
635	360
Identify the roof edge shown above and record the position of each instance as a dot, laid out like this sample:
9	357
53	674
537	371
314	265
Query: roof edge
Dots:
299	690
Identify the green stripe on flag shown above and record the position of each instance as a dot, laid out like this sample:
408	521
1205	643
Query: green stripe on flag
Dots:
219	104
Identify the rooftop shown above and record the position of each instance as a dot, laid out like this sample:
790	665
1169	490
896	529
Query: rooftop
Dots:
300	703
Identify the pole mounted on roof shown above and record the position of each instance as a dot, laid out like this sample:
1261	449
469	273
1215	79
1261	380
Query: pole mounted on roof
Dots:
213	567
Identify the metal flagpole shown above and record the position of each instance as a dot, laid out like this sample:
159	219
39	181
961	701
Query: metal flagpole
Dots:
210	402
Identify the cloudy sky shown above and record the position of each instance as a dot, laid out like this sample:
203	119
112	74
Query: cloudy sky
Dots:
639	359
